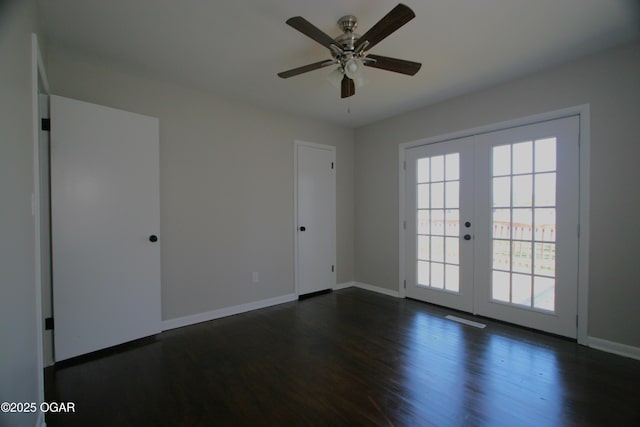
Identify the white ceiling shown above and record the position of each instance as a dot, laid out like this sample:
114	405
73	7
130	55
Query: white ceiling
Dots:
235	48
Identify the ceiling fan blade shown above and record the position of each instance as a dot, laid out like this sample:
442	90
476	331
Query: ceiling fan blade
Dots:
393	20
310	30
305	68
348	87
392	64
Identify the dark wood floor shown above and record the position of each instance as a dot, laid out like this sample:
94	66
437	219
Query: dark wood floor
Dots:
349	358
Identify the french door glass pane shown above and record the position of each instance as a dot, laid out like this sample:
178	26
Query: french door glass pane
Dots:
437	249
502	255
452	251
545	220
423	196
437	195
423	221
502	191
502	223
545	194
522	191
423	247
452	194
452	167
544	292
452	275
437	275
502	160
522	159
524	223
521	256
438	222
452	222
546	155
521	289
501	286
437	168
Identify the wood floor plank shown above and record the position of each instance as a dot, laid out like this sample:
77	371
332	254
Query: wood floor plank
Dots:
350	357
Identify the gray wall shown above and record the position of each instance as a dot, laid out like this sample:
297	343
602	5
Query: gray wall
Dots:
226	185
18	363
610	83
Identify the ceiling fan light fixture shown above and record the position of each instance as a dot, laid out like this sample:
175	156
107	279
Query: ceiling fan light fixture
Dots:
354	69
335	77
360	81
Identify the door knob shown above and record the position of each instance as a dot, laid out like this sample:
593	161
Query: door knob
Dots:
303	228
467	237
153	238
467	224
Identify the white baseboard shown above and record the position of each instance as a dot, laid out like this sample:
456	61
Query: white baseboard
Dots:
344	285
377	289
614	347
367	287
224	312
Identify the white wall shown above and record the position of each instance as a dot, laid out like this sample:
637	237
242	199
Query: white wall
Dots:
226	179
18	338
610	83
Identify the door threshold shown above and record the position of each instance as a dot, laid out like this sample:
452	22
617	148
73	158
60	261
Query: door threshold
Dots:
314	294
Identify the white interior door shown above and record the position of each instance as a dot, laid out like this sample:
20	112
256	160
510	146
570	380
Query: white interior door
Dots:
315	217
105	210
514	195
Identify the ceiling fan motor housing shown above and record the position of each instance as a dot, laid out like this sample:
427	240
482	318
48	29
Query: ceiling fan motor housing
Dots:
347	40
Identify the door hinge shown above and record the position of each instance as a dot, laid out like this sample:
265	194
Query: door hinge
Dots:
405	284
48	324
404	164
578	231
331	165
45	124
576	321
333	268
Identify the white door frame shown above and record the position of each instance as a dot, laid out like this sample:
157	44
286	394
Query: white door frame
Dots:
296	145
39	84
583	112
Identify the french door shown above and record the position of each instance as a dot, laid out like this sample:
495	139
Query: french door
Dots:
492	224
440	204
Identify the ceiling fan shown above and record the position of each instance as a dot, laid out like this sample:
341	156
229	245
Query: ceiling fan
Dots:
350	51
